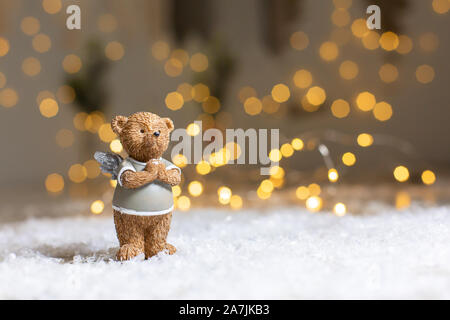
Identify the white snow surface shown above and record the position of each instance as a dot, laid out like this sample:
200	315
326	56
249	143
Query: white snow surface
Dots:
279	254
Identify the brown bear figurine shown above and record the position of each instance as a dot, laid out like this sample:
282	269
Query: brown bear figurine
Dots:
143	200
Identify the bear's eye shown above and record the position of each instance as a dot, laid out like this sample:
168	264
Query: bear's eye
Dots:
142	130
156	133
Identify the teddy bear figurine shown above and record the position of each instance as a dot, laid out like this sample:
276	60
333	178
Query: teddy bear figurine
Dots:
143	200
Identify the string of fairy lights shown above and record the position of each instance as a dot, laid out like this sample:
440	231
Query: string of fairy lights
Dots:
175	61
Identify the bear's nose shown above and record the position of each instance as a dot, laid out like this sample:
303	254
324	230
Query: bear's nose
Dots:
156	133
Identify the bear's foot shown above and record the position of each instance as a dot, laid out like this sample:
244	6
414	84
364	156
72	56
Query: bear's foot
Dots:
170	249
127	252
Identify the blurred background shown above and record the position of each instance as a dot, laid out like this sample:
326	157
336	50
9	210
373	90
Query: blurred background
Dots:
363	115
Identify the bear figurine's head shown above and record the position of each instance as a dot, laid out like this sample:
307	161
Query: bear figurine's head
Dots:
143	135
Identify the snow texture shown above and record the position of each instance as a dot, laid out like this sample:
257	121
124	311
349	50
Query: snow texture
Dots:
280	254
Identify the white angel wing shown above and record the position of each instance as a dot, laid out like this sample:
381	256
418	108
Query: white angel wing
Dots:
109	162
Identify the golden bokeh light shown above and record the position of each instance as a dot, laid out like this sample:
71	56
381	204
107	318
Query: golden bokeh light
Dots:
106	23
299	40
41	43
114	51
440	6
65	138
31	66
176	190
308	106
200	92
51	6
195	188
371	40
211	105
65	94
160	50
185	89
389	41
252	106
269	105
181	55
302	79
340	209
79	121
401	173
4	47
92	169
333	175
340	17
365	101
245	93
287	150
180	160
314	189
97	207
405	44
77	173
428	177
340	108
302	192
94	121
277	172
262	194
174	100
280	93
113	183
297	144
382	111
54	183
359	28
193	129
388	73
275	155
402	200
71	63
316	96
329	51
425	73
364	140
348	70
199	62
349	159
236	202
183	203
314	203
8	97
30	25
116	146
49	107
203	167
224	194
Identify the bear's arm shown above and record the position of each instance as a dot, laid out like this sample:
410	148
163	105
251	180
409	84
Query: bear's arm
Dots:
172	177
133	180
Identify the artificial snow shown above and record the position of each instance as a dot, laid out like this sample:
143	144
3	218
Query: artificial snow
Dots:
279	254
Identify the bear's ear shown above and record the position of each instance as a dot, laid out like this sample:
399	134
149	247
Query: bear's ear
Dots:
118	123
169	123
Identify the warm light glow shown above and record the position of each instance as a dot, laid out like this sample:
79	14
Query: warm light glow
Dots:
193	129
116	146
365	101
31	66
94	121
54	183
297	144
302	79
97	207
79	121
252	106
4	46
203	167
114	51
388	73
402	200
329	51
382	111
333	175
176	190
428	177
401	173
113	183
440	6
92	169
314	189
314	204
105	133
348	70
340	209
302	192
316	96
224	195
299	40
65	138
195	188
77	173
348	159
275	155
200	92
183	203
51	6
359	28
8	97
185	89
199	62
180	55
405	44
266	186
424	73
287	150
179	160
371	40
174	100
211	105
236	202
365	140
280	93
71	63
160	50
262	194
340	108
245	93
49	108
30	25
277	172
269	105
65	94
389	41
